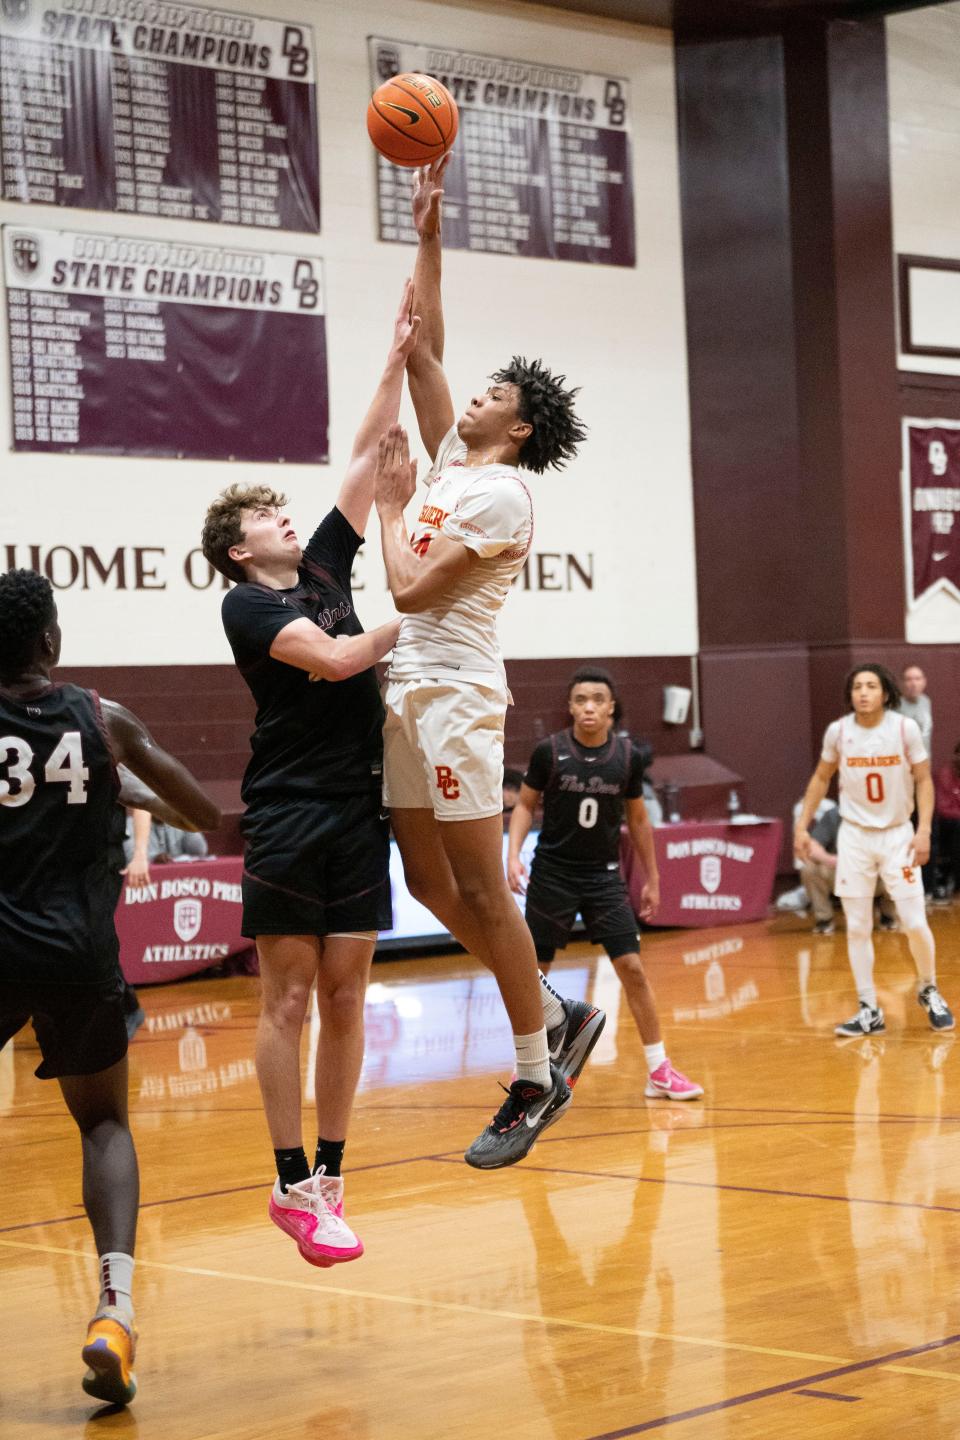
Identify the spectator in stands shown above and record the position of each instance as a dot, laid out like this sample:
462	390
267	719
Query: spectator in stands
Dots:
149	841
512	780
819	872
915	702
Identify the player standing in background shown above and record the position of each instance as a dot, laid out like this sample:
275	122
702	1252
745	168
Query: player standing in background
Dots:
588	776
59	957
446	695
882	766
316	885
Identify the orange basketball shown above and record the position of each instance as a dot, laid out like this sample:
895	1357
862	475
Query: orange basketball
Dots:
412	119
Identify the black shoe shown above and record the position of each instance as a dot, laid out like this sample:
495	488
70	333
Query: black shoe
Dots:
941	895
571	1041
888	923
938	1011
867	1021
528	1110
824	927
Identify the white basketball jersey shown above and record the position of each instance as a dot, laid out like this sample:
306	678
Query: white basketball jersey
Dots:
875	768
487	508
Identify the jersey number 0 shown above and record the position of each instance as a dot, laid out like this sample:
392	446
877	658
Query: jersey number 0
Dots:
65	767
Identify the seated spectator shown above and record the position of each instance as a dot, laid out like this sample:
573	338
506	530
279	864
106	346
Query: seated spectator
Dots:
947	843
512	780
149	841
915	702
819	872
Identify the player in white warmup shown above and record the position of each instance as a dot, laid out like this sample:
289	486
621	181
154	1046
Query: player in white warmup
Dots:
883	767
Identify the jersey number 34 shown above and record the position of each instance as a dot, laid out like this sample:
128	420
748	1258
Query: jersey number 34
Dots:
65	767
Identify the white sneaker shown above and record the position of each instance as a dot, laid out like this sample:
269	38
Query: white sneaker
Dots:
312	1212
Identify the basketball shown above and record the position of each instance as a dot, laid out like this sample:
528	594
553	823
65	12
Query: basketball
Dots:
412	119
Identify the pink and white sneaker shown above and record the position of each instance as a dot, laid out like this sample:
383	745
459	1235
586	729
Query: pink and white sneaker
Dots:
665	1083
312	1212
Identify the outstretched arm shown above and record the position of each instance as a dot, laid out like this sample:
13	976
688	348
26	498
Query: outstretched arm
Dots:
136	748
356	492
428	384
305	646
416	581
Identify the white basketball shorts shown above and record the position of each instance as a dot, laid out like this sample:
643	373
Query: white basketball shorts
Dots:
443	747
864	854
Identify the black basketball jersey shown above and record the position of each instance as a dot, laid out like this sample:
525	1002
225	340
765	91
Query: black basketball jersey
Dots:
58	799
583	789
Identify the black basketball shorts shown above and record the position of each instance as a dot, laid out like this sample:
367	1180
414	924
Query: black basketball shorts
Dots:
316	867
556	897
81	1029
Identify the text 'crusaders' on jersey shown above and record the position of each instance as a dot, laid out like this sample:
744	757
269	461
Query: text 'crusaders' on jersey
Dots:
583	790
58	797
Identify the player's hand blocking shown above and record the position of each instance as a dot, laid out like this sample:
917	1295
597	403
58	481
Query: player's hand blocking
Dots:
406	327
396	476
427	197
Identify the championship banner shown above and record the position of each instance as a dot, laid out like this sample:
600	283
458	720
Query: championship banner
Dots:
931	484
541	164
152	107
122	346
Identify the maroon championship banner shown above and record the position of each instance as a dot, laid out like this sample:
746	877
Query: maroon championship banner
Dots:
931	482
541	164
185	921
711	872
122	346
153	107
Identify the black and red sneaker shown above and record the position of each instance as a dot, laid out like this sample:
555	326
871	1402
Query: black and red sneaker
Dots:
570	1042
528	1110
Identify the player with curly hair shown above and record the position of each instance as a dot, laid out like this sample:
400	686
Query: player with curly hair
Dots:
446	696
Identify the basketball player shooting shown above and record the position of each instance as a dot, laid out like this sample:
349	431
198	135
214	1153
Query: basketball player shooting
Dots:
881	762
446	694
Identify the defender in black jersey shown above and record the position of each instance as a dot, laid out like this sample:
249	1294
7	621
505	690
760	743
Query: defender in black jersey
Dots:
59	960
316	869
589	778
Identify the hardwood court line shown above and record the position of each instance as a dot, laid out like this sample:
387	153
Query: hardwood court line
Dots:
915	1370
879	1361
445	1305
205	1195
711	1185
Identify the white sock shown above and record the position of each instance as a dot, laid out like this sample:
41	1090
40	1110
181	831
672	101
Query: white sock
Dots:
553	1011
116	1281
533	1058
858	913
655	1055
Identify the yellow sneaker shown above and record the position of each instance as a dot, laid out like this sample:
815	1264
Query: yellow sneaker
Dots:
109	1351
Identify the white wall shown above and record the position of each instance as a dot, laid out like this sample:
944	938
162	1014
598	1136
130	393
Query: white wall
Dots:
923	63
618	333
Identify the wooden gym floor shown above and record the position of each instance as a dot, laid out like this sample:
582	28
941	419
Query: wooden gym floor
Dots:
778	1260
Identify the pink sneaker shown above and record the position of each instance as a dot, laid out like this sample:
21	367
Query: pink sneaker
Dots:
668	1084
312	1212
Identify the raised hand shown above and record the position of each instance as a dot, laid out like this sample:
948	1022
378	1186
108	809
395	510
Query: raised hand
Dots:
428	196
406	327
396	475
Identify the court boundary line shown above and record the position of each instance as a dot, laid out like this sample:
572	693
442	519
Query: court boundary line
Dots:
427	1303
877	1362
